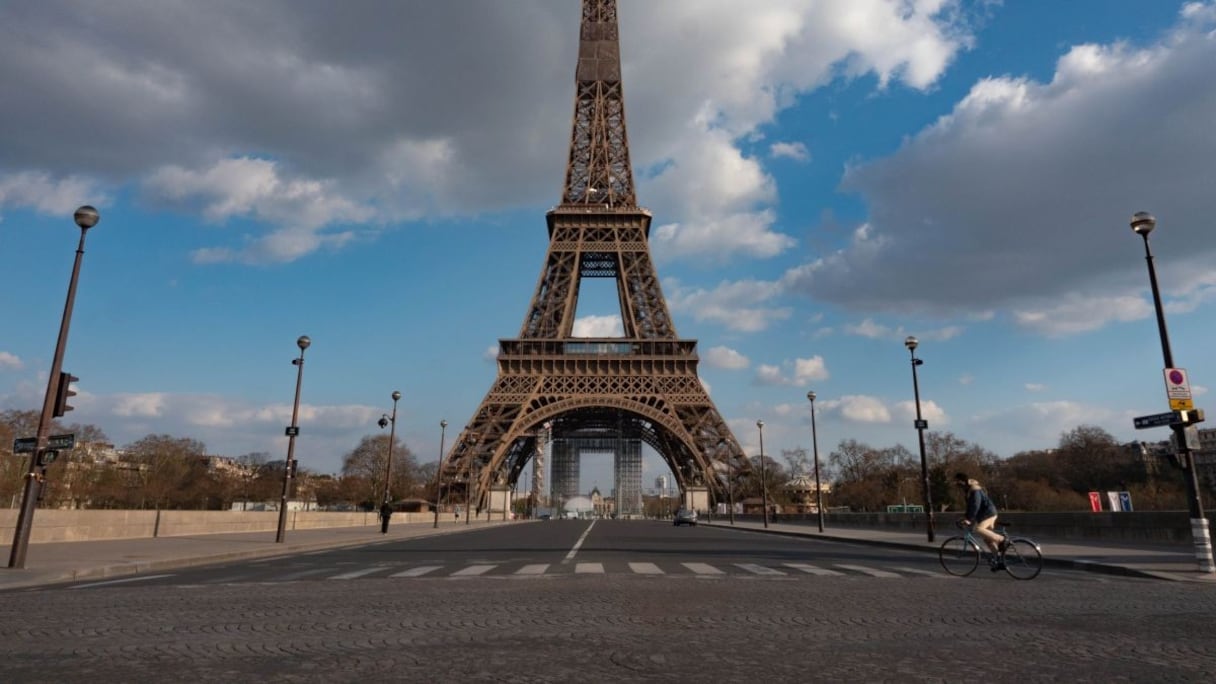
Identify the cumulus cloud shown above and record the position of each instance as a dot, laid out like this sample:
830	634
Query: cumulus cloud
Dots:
798	373
858	408
738	305
10	361
343	114
599	326
796	151
725	358
970	208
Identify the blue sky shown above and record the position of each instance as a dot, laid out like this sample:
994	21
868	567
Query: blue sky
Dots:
827	177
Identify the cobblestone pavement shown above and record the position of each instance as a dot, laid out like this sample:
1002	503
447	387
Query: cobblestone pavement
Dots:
618	627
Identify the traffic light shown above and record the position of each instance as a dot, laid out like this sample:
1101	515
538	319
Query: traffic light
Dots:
63	393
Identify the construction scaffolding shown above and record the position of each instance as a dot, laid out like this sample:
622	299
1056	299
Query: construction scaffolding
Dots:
566	461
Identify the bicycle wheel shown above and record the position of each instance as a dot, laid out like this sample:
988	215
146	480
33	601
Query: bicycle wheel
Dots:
1023	559
959	556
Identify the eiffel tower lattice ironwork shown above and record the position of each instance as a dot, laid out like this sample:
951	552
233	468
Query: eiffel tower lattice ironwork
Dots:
643	385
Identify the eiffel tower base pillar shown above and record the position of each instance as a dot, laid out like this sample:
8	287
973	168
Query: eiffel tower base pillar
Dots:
500	502
696	498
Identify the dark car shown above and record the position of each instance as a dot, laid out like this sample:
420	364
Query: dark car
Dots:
686	516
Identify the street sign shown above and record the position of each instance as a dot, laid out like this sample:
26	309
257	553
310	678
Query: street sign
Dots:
28	445
920	424
48	457
1178	389
292	431
1155	420
61	441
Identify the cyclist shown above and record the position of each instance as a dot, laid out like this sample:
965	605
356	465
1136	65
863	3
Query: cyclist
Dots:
981	515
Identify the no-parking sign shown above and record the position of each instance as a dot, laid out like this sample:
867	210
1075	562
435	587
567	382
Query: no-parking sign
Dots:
1178	389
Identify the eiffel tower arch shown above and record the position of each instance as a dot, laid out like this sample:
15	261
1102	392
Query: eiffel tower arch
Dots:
550	385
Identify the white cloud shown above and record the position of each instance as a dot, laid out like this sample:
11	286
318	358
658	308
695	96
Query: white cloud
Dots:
735	305
10	361
725	358
858	408
1081	314
599	326
490	354
47	195
929	410
797	373
977	236
796	151
148	405
1035	387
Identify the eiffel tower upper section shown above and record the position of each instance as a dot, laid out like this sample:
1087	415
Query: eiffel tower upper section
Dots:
641	385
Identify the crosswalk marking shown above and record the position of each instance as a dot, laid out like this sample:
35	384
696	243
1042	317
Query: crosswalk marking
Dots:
645	569
417	572
872	572
813	569
141	578
758	569
473	570
926	573
589	568
534	569
357	573
703	568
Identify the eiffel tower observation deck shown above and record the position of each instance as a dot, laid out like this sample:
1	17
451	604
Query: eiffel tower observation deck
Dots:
553	385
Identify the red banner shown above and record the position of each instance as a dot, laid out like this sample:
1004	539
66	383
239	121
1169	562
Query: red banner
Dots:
1095	502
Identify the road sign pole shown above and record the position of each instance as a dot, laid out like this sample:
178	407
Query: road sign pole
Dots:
86	217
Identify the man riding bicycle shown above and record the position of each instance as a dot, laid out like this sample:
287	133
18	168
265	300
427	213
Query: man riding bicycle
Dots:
981	516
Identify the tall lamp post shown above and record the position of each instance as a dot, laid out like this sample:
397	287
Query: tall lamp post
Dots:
1143	224
815	450
443	431
763	475
386	420
921	425
53	403
289	467
468	495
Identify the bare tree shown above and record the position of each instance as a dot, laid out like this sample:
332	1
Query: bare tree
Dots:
164	465
367	461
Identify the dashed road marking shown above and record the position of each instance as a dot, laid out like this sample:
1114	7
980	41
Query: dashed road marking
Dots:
758	569
703	568
417	572
645	569
813	569
872	572
473	570
589	568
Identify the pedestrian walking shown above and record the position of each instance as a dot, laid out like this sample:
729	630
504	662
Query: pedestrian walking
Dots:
386	512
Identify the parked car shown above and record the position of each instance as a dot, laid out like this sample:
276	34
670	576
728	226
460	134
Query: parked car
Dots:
686	516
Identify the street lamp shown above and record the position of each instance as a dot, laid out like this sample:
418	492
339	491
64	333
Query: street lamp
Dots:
443	431
921	426
815	450
290	466
53	404
1143	224
385	420
763	476
468	495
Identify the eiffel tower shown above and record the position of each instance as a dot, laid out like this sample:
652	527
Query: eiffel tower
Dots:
643	385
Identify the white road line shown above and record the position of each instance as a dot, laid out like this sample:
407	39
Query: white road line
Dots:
589	568
758	569
417	572
534	569
645	569
813	569
703	568
872	572
303	573
927	573
473	570
578	544
120	581
357	573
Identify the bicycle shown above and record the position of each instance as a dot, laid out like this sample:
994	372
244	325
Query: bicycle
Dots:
960	556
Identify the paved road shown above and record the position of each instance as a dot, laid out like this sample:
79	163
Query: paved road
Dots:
253	619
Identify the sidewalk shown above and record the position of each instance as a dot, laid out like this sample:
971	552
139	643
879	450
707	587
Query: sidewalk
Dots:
70	561
1175	562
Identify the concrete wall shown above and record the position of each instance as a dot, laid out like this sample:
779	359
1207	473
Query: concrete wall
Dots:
88	525
1164	527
